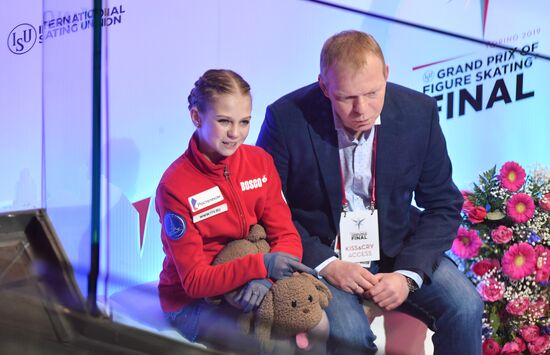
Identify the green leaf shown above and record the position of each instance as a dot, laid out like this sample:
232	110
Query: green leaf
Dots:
495	215
494	318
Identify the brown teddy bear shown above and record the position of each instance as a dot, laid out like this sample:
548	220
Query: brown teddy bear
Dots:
292	306
254	243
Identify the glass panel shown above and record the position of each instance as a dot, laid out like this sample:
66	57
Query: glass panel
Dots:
20	106
67	95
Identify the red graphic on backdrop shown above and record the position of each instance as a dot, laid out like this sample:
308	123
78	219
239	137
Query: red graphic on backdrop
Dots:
484	11
438	62
142	207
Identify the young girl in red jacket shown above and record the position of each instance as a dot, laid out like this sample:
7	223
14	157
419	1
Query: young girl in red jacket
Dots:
210	196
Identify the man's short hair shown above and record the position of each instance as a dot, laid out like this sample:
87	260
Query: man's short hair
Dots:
349	47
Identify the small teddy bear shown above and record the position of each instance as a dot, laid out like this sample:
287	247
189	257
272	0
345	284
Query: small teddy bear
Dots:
254	243
292	306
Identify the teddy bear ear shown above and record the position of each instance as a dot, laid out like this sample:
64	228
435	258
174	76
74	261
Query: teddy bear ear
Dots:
257	232
324	293
267	346
234	250
245	322
264	321
263	246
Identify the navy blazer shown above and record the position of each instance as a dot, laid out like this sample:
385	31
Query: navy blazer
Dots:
412	161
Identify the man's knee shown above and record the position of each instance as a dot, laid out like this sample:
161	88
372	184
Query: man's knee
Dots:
458	291
349	326
472	306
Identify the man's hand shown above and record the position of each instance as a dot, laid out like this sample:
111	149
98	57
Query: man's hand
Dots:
350	277
390	291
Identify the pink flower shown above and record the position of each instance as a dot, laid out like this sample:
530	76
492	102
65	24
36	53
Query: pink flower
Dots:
491	347
467	205
521	344
529	332
477	215
542	276
501	234
511	348
481	267
520	207
543	264
544	202
519	261
512	176
540	345
543	260
539	308
466	244
491	289
518	306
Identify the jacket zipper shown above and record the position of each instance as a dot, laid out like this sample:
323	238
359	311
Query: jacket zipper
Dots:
242	220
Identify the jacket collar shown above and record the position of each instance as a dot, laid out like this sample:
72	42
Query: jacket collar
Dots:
325	143
388	145
204	165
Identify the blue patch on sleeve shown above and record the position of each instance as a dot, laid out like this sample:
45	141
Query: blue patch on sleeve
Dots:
174	226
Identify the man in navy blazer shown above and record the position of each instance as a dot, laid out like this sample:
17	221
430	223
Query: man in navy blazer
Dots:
319	136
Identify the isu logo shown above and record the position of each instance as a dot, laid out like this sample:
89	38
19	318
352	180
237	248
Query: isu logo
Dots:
22	38
253	183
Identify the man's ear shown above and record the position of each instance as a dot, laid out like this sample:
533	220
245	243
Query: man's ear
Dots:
323	85
386	72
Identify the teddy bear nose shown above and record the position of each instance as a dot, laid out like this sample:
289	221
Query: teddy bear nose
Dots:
306	310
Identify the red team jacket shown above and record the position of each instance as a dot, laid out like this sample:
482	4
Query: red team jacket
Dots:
202	206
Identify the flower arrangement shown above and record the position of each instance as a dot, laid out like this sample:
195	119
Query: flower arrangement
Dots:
504	246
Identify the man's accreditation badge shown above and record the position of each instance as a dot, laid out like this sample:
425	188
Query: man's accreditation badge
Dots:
359	241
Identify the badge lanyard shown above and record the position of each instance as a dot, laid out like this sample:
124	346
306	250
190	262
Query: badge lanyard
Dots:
373	178
358	238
